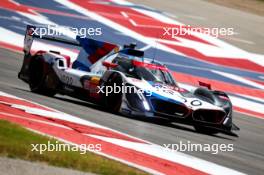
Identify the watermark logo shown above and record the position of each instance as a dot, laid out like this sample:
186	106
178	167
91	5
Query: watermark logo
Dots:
53	30
57	146
116	89
216	32
198	147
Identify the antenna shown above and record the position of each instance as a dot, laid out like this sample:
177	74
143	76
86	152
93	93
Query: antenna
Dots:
155	48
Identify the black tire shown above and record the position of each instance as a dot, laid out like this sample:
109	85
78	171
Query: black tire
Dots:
37	77
113	101
208	96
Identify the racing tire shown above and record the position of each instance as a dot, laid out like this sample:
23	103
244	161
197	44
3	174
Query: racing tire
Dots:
208	96
37	77
113	101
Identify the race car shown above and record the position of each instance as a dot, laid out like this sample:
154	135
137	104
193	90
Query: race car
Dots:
124	81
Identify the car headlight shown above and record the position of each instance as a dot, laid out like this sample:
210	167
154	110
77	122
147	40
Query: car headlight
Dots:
137	99
146	105
144	101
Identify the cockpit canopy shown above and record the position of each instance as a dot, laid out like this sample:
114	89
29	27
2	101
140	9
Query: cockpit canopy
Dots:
142	68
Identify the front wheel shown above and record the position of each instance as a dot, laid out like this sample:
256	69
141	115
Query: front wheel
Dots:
113	101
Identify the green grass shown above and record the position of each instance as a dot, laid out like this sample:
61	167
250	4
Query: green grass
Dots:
15	142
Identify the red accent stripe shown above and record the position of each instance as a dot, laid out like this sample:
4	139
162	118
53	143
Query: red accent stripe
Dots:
22	102
149	65
238	63
84	129
77	127
11	47
55	12
248	112
6	4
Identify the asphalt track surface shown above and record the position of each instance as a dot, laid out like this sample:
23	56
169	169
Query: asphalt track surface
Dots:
247	157
249	27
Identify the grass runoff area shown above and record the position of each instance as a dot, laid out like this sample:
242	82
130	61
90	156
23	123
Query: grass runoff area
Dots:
15	142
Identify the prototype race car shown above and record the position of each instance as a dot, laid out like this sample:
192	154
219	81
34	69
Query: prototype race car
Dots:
122	80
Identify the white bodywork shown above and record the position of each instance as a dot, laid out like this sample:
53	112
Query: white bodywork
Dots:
72	77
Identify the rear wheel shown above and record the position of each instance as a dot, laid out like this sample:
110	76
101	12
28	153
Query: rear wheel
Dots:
113	101
38	77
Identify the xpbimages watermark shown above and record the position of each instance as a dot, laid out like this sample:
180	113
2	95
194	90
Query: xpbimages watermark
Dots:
116	89
198	147
53	30
174	32
57	146
128	89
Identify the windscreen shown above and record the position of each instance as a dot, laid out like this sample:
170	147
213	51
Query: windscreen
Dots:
143	72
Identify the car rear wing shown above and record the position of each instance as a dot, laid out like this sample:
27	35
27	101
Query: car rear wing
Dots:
90	50
32	32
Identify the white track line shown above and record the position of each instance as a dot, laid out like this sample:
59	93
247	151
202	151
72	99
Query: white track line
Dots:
240	40
124	14
239	78
35	120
